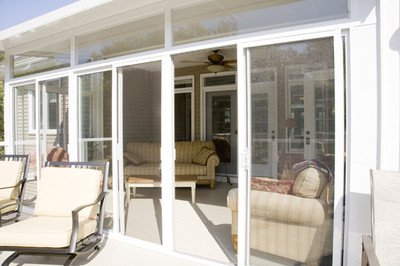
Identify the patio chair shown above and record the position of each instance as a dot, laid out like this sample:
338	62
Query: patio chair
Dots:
68	215
382	246
13	169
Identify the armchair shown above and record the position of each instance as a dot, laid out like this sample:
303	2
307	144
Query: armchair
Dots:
382	246
13	170
68	216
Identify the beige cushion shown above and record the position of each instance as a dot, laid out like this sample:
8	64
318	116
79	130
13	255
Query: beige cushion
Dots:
190	169
187	150
10	174
63	189
44	231
10	208
134	158
202	156
309	183
150	152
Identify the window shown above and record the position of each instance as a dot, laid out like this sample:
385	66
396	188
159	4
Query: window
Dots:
54	56
184	100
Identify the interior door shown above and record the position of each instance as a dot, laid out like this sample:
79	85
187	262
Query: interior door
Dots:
264	122
221	121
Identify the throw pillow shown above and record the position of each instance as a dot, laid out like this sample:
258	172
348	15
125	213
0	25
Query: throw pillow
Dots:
271	185
309	183
134	158
202	156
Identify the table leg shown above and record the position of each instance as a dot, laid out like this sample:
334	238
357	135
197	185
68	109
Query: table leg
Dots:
193	187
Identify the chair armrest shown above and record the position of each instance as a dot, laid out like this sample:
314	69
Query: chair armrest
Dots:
75	220
288	208
18	203
213	161
368	252
16	185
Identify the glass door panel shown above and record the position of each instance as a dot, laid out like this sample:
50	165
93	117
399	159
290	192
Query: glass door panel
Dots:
289	223
221	122
140	110
95	142
53	119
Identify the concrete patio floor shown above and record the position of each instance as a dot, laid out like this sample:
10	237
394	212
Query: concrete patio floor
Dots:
112	252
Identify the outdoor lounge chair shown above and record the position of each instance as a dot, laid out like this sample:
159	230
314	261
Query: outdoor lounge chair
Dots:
382	246
13	175
68	215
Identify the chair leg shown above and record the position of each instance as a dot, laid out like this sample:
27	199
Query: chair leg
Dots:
10	258
70	259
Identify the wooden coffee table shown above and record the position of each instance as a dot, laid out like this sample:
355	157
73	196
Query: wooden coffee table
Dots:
146	181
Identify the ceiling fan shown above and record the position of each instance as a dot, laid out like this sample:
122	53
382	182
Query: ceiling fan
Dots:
216	62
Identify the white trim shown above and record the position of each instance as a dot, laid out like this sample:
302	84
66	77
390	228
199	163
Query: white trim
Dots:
50	17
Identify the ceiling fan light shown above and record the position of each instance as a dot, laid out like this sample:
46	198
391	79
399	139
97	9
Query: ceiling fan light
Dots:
215	68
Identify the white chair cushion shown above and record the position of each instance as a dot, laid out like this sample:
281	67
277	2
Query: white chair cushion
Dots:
10	174
44	231
10	208
61	190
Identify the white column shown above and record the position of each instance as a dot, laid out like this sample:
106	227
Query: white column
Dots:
388	41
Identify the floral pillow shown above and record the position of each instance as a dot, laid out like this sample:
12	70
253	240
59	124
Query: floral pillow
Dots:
272	185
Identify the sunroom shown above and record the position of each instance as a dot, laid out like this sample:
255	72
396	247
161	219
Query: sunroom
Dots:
148	85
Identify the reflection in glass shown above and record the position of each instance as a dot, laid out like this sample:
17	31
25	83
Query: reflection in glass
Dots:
95	143
290	222
54	56
136	36
222	18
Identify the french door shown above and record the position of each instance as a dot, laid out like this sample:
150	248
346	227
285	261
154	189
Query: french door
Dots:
292	108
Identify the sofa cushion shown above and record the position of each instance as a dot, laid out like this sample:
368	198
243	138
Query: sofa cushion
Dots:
152	169
309	183
61	190
134	158
202	156
44	231
271	185
11	172
190	169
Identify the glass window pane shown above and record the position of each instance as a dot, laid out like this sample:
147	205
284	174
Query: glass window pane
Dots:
183	117
232	17
142	144
95	105
292	153
136	36
54	56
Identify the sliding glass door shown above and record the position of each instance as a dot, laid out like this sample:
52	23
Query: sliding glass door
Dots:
293	153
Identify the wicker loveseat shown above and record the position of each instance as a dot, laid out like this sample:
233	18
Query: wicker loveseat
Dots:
196	158
296	226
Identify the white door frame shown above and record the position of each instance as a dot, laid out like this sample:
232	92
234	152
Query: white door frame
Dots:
244	152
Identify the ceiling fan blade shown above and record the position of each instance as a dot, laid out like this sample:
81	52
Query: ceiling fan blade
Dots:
229	67
230	61
199	62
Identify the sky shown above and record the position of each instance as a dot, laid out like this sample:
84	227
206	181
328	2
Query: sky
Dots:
14	12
